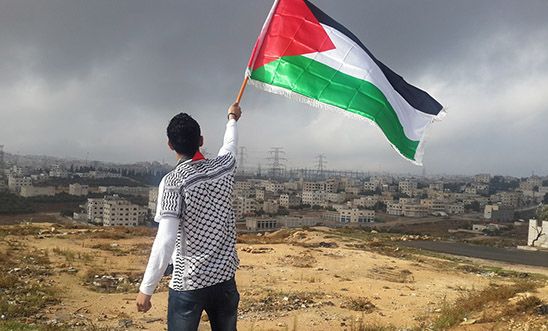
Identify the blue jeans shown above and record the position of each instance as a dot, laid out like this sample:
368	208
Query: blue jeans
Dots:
220	302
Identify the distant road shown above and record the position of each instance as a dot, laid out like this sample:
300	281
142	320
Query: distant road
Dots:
510	255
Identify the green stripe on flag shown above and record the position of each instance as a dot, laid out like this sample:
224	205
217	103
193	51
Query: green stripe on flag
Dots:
322	83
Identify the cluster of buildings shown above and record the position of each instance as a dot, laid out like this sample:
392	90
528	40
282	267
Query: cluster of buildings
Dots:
262	204
343	201
40	183
110	209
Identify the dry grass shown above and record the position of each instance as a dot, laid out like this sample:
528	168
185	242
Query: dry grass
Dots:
19	230
142	249
18	326
73	256
253	239
25	287
303	260
362	304
310	278
452	314
114	249
117	233
361	326
391	274
524	305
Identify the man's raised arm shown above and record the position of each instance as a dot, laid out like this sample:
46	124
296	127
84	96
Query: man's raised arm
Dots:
230	141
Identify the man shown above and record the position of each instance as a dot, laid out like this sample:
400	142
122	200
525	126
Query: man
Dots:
196	231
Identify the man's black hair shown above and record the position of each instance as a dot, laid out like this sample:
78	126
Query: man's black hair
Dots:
184	134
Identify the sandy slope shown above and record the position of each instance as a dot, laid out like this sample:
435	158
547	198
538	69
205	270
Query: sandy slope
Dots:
283	284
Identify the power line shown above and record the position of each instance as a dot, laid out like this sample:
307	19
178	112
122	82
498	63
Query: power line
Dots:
242	157
322	161
2	169
277	161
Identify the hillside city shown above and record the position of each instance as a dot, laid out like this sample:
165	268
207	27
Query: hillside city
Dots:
319	249
126	195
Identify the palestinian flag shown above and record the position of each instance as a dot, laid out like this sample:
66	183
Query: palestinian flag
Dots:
306	55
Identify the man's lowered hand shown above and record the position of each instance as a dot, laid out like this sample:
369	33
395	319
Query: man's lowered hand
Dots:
143	302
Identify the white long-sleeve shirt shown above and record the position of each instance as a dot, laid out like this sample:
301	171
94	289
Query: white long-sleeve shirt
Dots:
196	222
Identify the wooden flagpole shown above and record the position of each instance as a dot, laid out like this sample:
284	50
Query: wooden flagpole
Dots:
242	89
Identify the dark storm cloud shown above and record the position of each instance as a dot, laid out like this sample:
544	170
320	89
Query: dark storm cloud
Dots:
104	77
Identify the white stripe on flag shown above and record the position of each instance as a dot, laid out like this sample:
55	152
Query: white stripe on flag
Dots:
349	58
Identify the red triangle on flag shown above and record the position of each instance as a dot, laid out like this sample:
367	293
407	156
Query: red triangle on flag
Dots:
293	30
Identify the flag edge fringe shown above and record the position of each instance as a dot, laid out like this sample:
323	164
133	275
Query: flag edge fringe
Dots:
320	105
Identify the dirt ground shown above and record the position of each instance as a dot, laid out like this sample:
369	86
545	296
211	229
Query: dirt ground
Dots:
315	279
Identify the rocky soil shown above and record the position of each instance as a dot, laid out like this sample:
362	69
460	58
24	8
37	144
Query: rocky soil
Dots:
68	277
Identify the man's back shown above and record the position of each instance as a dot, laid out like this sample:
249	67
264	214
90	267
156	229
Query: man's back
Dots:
196	231
199	193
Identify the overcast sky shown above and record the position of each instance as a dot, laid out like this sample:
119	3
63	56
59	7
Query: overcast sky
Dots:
104	78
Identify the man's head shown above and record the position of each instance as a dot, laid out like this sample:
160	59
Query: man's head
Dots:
184	135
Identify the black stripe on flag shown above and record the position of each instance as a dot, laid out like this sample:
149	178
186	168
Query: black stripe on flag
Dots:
416	97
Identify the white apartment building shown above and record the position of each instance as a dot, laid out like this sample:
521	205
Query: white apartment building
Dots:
297	222
103	174
243	185
250	193
482	178
261	224
289	200
95	210
58	171
78	189
389	188
264	195
355	190
313	198
351	215
530	183
414	210
434	205
394	208
348	181
370	186
121	212
367	201
512	199
438	186
35	191
332	185
244	206
481	188
509	199
313	186
271	206
293	186
16	171
405	201
15	182
335	197
498	213
408	187
455	208
470	190
274	187
152	200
